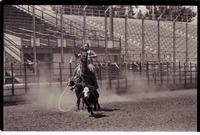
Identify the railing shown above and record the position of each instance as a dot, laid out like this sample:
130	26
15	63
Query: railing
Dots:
52	18
14	48
170	74
51	73
12	87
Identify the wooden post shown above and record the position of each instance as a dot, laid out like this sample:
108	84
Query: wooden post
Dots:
118	79
174	42
111	22
186	51
147	71
25	77
51	71
109	76
38	75
62	33
185	75
100	76
158	25
140	65
13	80
34	44
143	51
161	79
196	73
126	36
179	65
190	73
60	69
154	69
106	36
174	73
84	25
167	73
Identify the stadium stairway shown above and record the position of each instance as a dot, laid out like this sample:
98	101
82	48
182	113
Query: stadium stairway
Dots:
13	54
51	20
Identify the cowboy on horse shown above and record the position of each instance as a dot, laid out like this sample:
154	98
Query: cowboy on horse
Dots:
86	57
84	74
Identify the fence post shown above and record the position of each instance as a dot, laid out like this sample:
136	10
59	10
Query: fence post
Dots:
158	54
60	69
13	80
167	73
109	76
140	65
154	70
147	71
190	73
174	42
196	73
51	71
42	14
185	83
179	65
38	75
25	77
186	51
56	16
143	52
100	77
118	82
161	73
173	73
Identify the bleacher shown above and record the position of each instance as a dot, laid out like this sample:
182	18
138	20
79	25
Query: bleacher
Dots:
94	24
151	37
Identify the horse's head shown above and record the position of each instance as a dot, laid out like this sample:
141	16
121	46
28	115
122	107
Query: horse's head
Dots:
86	92
84	57
71	83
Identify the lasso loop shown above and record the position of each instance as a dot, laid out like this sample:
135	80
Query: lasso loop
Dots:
60	99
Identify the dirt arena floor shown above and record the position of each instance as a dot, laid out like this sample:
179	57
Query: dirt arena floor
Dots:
155	111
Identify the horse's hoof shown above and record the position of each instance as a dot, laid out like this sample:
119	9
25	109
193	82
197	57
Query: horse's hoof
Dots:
92	113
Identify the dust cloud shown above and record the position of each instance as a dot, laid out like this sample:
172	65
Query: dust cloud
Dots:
51	96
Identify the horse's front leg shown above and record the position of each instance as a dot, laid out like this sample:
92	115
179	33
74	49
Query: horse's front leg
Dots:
83	104
95	106
99	107
78	104
78	100
89	108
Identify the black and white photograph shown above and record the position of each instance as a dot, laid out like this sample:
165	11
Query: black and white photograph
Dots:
100	68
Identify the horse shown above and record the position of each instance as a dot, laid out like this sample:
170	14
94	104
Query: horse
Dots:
84	78
78	88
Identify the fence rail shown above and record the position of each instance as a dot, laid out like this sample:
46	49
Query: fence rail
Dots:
20	78
169	73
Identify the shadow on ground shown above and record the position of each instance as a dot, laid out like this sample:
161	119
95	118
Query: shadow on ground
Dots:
109	110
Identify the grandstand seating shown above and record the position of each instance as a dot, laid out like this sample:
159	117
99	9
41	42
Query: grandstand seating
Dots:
151	36
134	34
150	31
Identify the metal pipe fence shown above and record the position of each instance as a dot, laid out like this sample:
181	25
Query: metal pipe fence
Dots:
18	81
169	73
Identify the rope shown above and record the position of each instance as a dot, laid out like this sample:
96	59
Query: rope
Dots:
60	99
